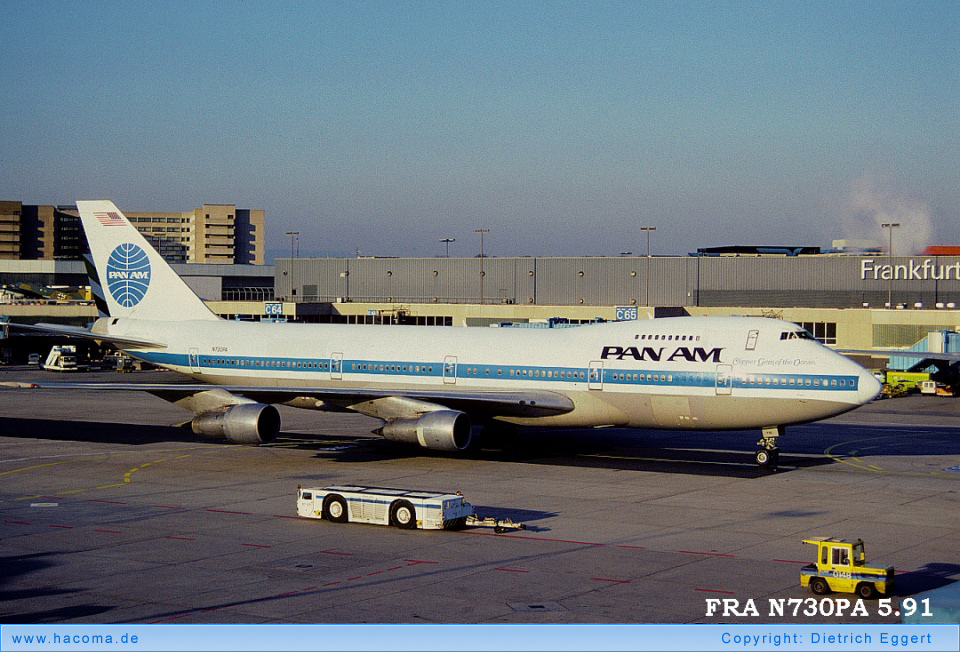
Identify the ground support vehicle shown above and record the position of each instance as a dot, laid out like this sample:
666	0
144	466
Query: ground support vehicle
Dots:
937	388
62	358
900	383
842	566
893	391
909	379
403	508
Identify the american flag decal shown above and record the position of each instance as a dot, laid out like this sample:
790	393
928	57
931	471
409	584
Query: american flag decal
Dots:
109	219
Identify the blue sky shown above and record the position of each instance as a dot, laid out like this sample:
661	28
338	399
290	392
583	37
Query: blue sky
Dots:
559	126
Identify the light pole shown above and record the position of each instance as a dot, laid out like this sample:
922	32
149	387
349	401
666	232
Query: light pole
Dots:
646	274
482	233
447	242
891	226
294	239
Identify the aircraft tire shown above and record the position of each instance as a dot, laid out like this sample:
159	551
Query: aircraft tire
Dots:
767	457
335	509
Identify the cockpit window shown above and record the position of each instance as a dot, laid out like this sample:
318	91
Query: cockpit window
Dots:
796	335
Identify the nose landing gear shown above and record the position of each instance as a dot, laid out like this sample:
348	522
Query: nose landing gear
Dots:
768	454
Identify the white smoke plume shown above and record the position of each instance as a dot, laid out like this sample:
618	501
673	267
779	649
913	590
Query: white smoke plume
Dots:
873	201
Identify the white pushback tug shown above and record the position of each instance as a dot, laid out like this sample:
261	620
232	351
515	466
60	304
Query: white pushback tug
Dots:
404	508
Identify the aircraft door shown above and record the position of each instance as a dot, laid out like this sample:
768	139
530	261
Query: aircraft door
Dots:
194	358
595	375
450	370
752	340
336	366
724	379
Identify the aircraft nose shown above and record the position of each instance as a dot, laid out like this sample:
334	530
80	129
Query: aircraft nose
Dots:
868	387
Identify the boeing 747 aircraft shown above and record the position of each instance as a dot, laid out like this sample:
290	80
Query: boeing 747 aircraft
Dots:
430	385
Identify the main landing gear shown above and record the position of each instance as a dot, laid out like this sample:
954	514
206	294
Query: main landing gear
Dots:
768	454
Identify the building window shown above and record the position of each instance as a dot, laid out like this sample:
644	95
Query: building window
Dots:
823	332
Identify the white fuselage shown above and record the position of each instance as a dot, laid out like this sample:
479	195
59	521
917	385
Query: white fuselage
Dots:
679	373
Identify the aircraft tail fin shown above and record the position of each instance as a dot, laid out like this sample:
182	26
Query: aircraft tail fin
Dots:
134	280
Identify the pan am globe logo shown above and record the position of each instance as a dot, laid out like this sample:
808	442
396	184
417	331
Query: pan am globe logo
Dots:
128	274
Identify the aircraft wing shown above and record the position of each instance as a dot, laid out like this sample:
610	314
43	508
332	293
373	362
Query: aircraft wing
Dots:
83	333
528	403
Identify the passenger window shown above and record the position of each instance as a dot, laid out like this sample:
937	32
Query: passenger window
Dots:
825	556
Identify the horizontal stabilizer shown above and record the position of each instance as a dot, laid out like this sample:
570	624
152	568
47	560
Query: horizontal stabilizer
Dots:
83	333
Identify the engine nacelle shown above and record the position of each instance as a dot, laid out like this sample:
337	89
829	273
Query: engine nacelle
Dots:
443	430
247	423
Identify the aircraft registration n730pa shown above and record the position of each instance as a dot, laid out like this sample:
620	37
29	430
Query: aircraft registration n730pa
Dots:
431	385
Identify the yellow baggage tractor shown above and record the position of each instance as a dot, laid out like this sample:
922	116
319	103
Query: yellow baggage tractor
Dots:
842	566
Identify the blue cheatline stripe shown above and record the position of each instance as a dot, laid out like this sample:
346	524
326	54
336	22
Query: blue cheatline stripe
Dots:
407	369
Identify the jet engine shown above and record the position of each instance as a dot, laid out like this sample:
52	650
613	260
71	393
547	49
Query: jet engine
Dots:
443	430
247	423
